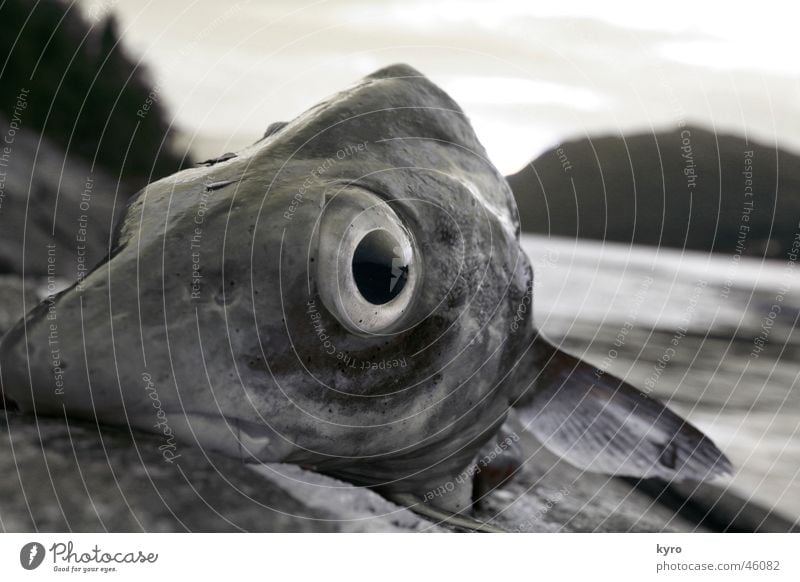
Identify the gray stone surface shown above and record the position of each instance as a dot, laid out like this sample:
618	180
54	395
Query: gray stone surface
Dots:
68	476
60	476
45	194
549	495
15	299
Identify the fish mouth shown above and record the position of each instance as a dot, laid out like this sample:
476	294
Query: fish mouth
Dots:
248	441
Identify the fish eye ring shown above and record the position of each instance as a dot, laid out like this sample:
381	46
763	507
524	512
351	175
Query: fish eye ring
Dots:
368	269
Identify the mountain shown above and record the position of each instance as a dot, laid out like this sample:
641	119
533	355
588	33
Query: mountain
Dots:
71	79
686	188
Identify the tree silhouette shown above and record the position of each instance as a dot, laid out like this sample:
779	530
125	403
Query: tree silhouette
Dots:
84	90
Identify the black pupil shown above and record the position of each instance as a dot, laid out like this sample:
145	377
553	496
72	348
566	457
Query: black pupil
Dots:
379	270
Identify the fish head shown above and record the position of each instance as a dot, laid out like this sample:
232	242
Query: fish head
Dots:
349	293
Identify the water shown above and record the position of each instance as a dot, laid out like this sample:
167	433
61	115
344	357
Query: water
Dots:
686	327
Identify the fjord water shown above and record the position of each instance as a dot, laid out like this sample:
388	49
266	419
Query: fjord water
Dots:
712	335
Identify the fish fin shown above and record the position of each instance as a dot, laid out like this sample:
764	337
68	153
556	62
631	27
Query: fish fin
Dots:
602	424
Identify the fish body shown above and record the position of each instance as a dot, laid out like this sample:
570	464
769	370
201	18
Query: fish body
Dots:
348	294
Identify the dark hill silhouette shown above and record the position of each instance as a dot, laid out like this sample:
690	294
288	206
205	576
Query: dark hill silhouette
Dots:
82	90
685	188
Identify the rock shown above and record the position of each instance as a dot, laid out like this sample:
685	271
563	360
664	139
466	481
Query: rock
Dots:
716	508
16	299
54	207
552	496
679	188
70	476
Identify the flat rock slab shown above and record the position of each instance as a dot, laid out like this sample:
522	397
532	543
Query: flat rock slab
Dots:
550	495
43	234
68	476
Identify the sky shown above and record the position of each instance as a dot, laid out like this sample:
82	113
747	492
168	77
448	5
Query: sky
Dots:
530	75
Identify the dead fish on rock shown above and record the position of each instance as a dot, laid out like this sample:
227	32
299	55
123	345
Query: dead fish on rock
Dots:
348	294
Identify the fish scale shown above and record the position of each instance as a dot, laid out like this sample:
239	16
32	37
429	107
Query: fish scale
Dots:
234	361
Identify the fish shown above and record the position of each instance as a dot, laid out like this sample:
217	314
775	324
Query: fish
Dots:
347	294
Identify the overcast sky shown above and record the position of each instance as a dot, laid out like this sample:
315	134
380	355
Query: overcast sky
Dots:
529	74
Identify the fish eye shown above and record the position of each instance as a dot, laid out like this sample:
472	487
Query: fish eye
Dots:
368	270
379	268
